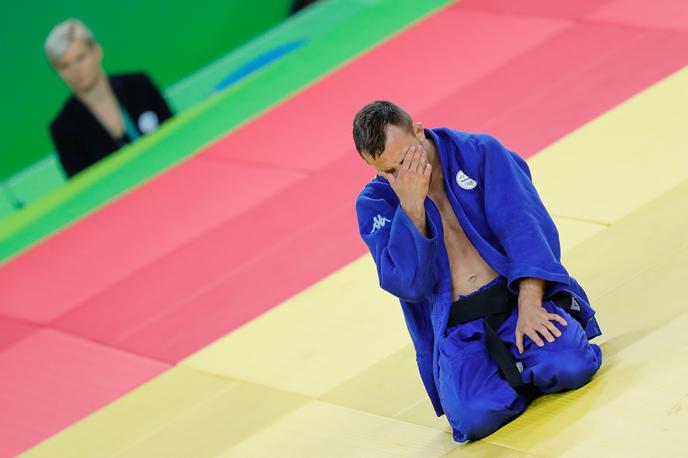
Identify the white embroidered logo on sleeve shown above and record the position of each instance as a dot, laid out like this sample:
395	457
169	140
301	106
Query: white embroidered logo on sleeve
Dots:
379	222
465	181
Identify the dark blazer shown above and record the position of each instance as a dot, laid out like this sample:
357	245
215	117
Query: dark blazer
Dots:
81	140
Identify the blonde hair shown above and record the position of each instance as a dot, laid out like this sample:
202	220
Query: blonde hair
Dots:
64	34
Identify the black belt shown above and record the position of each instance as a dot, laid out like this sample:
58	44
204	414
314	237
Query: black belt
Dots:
494	305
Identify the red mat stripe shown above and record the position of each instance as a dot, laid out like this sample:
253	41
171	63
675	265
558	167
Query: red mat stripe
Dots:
133	231
12	331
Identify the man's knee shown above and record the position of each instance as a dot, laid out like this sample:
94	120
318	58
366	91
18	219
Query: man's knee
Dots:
566	370
479	418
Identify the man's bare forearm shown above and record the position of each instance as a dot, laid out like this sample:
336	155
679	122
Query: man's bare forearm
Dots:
417	215
532	290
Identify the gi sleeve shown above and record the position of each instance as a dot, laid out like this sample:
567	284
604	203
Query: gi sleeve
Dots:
68	150
518	217
404	257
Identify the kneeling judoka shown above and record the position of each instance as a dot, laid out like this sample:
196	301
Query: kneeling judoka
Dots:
461	237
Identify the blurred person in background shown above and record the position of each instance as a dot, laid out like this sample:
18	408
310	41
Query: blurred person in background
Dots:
104	112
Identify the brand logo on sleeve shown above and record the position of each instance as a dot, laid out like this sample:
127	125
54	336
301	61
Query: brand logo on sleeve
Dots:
465	181
379	222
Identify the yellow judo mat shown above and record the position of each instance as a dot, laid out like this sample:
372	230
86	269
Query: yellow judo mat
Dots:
331	372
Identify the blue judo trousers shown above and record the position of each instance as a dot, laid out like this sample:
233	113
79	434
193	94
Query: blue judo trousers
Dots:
492	194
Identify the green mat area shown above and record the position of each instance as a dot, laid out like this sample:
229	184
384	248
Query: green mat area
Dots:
46	175
6	205
34	182
213	118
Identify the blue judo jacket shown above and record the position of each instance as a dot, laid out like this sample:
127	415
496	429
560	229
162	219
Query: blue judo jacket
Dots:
492	194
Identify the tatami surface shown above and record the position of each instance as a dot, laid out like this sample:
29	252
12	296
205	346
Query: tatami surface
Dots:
330	372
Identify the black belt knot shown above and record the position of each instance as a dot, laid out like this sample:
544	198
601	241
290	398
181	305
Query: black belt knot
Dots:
494	305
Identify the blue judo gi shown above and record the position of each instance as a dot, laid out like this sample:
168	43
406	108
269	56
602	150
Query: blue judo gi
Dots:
496	204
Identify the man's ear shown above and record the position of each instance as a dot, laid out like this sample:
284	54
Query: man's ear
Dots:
419	130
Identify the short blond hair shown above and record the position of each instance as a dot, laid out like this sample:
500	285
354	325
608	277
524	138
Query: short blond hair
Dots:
64	34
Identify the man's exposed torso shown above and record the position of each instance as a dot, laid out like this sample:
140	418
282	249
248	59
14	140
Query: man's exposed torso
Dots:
469	271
